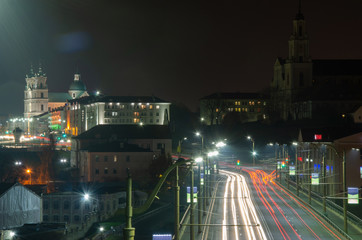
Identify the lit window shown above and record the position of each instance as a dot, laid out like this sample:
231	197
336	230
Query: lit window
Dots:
151	106
216	110
115	158
157	106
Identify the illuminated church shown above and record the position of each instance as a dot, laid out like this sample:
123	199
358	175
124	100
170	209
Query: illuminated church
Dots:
37	99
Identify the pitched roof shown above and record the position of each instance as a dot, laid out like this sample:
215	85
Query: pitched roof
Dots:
116	146
127	131
58	97
337	67
125	99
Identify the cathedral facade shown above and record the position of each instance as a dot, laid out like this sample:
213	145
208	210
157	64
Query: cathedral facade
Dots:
306	88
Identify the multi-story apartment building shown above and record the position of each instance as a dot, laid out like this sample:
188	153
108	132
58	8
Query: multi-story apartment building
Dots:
248	107
87	112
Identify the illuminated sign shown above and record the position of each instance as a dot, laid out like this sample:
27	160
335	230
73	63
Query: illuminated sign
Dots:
352	195
315	178
317	136
188	196
161	237
201	178
292	170
279	165
360	170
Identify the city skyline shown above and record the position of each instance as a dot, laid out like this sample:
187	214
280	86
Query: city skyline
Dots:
176	51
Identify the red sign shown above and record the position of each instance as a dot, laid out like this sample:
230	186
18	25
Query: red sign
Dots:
300	159
317	136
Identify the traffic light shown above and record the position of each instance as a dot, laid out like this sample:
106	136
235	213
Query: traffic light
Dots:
238	162
283	164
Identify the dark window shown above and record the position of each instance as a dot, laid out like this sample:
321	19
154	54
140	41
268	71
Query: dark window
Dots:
66	204
160	146
42	107
41	95
102	206
56	218
301	79
66	218
86	206
106	171
114	171
76	204
97	171
121	200
56	204
106	158
45	218
128	158
45	204
97	158
76	218
300	59
300	31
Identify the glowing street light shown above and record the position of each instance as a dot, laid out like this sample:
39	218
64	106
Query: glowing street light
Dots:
29	171
86	196
253	152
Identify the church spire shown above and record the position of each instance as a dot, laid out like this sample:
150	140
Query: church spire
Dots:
299	14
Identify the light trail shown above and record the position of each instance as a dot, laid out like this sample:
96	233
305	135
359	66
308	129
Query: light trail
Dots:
237	197
264	185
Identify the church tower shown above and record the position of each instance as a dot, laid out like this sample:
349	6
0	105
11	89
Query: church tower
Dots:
77	88
298	66
293	76
36	93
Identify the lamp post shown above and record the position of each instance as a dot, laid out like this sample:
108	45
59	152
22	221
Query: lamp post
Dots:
204	187
296	168
253	153
29	171
199	160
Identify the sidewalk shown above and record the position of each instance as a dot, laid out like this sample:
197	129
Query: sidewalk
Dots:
333	212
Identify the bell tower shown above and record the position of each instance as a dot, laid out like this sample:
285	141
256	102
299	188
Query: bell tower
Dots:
35	93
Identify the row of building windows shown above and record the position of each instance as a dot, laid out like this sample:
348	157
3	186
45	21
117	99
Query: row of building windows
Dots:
251	103
66	218
130	106
129	120
243	110
105	171
135	114
66	205
115	158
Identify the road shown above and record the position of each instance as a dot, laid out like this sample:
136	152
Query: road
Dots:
248	204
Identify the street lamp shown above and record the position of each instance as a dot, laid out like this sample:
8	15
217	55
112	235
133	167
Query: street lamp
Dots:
29	171
253	153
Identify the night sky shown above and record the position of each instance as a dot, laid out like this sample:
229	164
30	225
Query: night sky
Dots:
176	50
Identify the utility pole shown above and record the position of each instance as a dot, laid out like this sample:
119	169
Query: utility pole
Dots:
177	206
324	183
310	180
192	235
344	193
296	169
129	231
199	200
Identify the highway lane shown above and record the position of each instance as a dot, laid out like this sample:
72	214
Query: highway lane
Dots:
286	217
231	213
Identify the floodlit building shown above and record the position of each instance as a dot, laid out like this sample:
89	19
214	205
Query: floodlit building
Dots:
87	112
